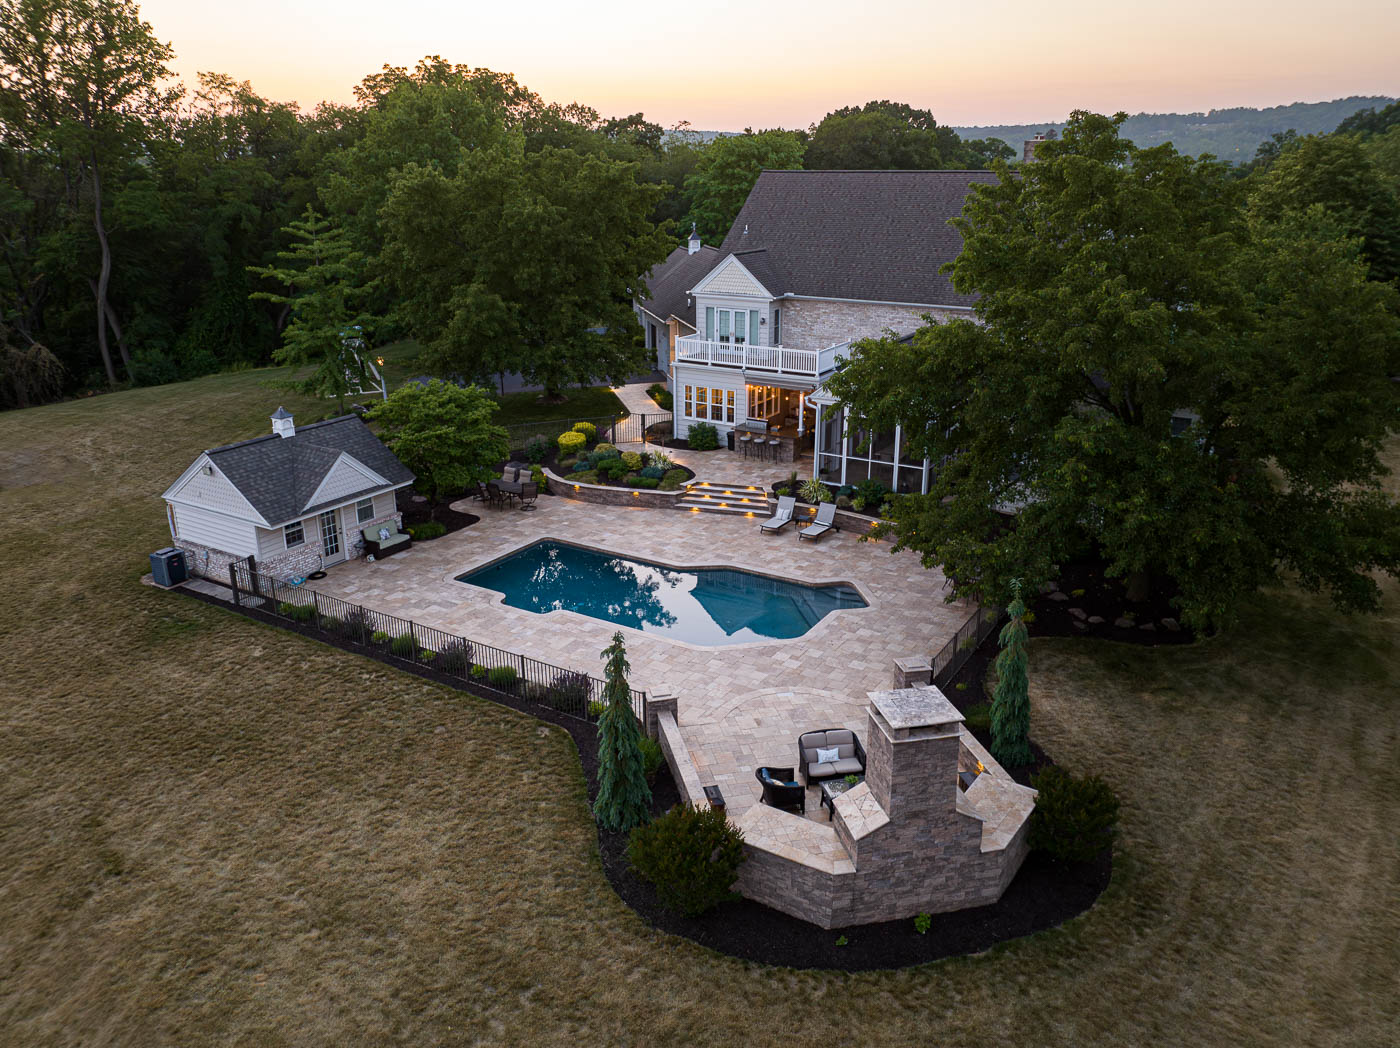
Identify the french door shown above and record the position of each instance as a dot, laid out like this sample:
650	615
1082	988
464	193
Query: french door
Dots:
331	547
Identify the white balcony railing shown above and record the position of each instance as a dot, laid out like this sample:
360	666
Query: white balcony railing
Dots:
778	359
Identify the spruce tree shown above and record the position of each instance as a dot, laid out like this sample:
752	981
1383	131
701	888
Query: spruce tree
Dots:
1011	704
624	799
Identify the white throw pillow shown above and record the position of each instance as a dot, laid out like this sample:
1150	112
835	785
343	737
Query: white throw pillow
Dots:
830	756
383	534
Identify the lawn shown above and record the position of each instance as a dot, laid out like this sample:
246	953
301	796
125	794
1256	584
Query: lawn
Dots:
589	402
216	832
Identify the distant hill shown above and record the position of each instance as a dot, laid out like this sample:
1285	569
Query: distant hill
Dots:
1231	134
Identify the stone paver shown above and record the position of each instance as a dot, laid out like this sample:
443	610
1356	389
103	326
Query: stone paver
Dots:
740	706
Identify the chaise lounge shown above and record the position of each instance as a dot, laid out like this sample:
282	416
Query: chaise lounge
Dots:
781	517
385	539
825	521
840	746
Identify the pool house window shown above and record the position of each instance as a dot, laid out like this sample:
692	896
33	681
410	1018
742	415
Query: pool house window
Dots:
364	511
293	535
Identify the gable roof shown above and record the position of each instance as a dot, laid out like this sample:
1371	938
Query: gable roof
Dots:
668	285
876	236
279	476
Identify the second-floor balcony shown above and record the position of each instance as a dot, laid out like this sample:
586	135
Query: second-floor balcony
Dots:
809	363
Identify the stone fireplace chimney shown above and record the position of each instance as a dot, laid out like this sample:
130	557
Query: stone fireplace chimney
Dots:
282	423
912	758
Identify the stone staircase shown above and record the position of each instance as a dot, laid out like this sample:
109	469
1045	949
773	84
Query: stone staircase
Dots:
733	499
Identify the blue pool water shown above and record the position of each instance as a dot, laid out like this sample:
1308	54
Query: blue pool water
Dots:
706	606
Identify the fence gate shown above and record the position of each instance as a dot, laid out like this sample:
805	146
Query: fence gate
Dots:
647	428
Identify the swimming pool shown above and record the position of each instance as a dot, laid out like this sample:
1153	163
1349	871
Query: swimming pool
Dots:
710	606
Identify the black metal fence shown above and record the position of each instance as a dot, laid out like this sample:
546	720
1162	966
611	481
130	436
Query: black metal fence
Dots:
564	690
969	637
647	428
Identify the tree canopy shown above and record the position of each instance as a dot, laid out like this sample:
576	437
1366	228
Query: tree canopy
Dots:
728	169
1198	390
444	433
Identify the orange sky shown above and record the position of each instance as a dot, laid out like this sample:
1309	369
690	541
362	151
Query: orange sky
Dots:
725	64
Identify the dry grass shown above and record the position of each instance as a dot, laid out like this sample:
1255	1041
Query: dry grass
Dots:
214	832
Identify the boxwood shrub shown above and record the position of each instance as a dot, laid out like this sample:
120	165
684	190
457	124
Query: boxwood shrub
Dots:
429	529
1074	819
502	677
703	437
691	855
571	443
588	429
632	460
642	481
674	480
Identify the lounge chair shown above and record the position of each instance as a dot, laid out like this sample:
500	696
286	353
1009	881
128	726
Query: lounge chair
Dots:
825	521
850	754
782	516
780	789
384	539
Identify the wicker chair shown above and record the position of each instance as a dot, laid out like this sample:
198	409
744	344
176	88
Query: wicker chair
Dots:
780	789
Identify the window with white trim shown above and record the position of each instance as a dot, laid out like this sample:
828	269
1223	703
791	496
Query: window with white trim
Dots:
293	535
705	404
763	401
364	511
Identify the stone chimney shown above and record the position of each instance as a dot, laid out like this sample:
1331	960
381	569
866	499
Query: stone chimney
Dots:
694	243
282	423
1029	147
912	762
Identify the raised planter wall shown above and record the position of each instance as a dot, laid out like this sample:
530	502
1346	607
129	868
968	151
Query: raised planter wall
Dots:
603	495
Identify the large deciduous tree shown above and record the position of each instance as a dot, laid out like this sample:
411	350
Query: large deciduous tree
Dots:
523	262
81	81
445	434
726	171
1120	287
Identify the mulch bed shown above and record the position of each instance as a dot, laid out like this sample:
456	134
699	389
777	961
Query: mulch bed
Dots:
415	512
1044	894
1083	593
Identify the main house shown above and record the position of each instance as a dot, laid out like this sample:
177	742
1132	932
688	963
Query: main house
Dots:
296	500
748	332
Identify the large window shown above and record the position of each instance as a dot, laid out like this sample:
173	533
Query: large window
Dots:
763	401
364	511
709	405
293	535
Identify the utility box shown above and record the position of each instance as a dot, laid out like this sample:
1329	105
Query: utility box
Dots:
168	567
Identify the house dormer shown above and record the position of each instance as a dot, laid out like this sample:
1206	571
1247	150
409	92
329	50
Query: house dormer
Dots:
733	304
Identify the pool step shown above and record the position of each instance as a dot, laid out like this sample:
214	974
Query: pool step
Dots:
738	499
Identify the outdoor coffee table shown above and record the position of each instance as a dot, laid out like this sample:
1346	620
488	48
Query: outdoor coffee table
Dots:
833	788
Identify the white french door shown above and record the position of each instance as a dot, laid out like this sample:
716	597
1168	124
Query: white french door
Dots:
332	548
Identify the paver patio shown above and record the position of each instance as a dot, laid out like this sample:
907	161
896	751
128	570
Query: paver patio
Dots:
741	705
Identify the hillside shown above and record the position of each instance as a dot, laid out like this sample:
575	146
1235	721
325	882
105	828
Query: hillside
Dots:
1231	134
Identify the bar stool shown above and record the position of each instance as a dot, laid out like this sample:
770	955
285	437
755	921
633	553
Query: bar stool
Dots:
745	442
773	446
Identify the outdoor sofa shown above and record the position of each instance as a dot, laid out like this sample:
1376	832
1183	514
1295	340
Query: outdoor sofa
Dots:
385	539
849	755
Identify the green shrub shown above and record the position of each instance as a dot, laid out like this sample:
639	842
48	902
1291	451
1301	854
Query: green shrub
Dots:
1074	819
595	709
978	718
568	465
536	448
297	612
537	475
429	529
858	504
606	449
613	468
588	429
427	655
502	677
674	480
872	491
479	672
570	691
571	443
813	490
661	395
403	646
655	472
380	637
703	437
660	460
585	476
783	492
691	855
632	460
652	758
640	481
331	624
922	923
455	657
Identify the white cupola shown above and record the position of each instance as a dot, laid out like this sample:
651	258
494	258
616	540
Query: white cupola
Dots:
282	423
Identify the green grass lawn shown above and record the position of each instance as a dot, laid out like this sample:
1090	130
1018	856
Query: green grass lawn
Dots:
589	403
216	832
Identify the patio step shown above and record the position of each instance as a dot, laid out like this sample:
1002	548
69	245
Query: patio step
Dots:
720	498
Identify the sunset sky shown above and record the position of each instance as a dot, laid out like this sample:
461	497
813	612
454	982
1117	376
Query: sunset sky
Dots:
724	64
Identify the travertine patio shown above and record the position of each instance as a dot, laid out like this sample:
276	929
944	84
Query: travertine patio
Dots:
740	706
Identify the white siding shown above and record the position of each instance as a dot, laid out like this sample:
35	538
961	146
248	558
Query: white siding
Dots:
208	528
345	478
213	491
711	379
271	542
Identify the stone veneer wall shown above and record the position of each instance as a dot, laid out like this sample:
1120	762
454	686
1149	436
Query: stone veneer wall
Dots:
302	560
601	494
816	324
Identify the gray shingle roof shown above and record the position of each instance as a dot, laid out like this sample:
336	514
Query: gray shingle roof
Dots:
279	474
668	285
871	235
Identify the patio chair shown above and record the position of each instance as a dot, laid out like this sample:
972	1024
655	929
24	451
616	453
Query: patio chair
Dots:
529	491
780	789
825	521
813	745
782	516
495	496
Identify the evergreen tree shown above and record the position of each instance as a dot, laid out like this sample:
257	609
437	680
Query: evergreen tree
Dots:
320	273
1011	704
623	794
